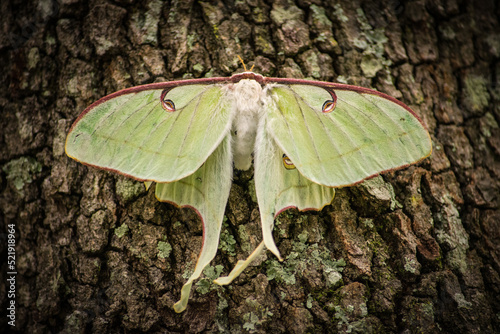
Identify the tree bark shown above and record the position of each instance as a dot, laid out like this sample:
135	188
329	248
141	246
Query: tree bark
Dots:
417	250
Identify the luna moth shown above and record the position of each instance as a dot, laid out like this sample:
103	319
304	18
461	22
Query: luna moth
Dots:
305	138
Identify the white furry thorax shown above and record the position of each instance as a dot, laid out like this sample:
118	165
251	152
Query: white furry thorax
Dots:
248	98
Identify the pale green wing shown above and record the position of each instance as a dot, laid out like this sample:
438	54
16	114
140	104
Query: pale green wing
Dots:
158	135
207	191
366	133
279	188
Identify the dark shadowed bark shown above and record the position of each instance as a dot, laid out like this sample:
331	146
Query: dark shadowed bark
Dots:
417	250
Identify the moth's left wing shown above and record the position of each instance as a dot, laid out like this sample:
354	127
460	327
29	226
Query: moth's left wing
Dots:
338	135
158	132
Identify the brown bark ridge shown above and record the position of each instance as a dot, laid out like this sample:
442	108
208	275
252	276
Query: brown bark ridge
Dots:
417	250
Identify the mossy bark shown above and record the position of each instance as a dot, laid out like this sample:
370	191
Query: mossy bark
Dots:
416	250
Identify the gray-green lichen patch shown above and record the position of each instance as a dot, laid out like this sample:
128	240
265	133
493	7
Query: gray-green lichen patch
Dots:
309	301
206	284
411	265
372	42
164	249
342	79
121	230
144	25
339	13
461	301
322	27
316	65
128	190
319	18
189	270
221	319
191	40
46	9
303	256
22	171
310	63
343	316
33	58
370	64
475	94
198	68
351	309
452	236
448	228
280	15
227	243
447	31
489	124
251	320
256	315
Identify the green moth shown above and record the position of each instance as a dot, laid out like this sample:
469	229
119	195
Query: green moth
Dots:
305	138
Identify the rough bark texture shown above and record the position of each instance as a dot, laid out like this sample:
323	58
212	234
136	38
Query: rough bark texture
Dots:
414	251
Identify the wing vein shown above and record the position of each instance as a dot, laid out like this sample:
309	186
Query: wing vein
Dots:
331	139
186	134
311	137
373	120
398	125
117	126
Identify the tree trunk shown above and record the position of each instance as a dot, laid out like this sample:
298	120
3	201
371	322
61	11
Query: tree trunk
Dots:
417	250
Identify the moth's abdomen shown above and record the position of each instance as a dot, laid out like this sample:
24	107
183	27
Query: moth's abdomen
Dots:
247	95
